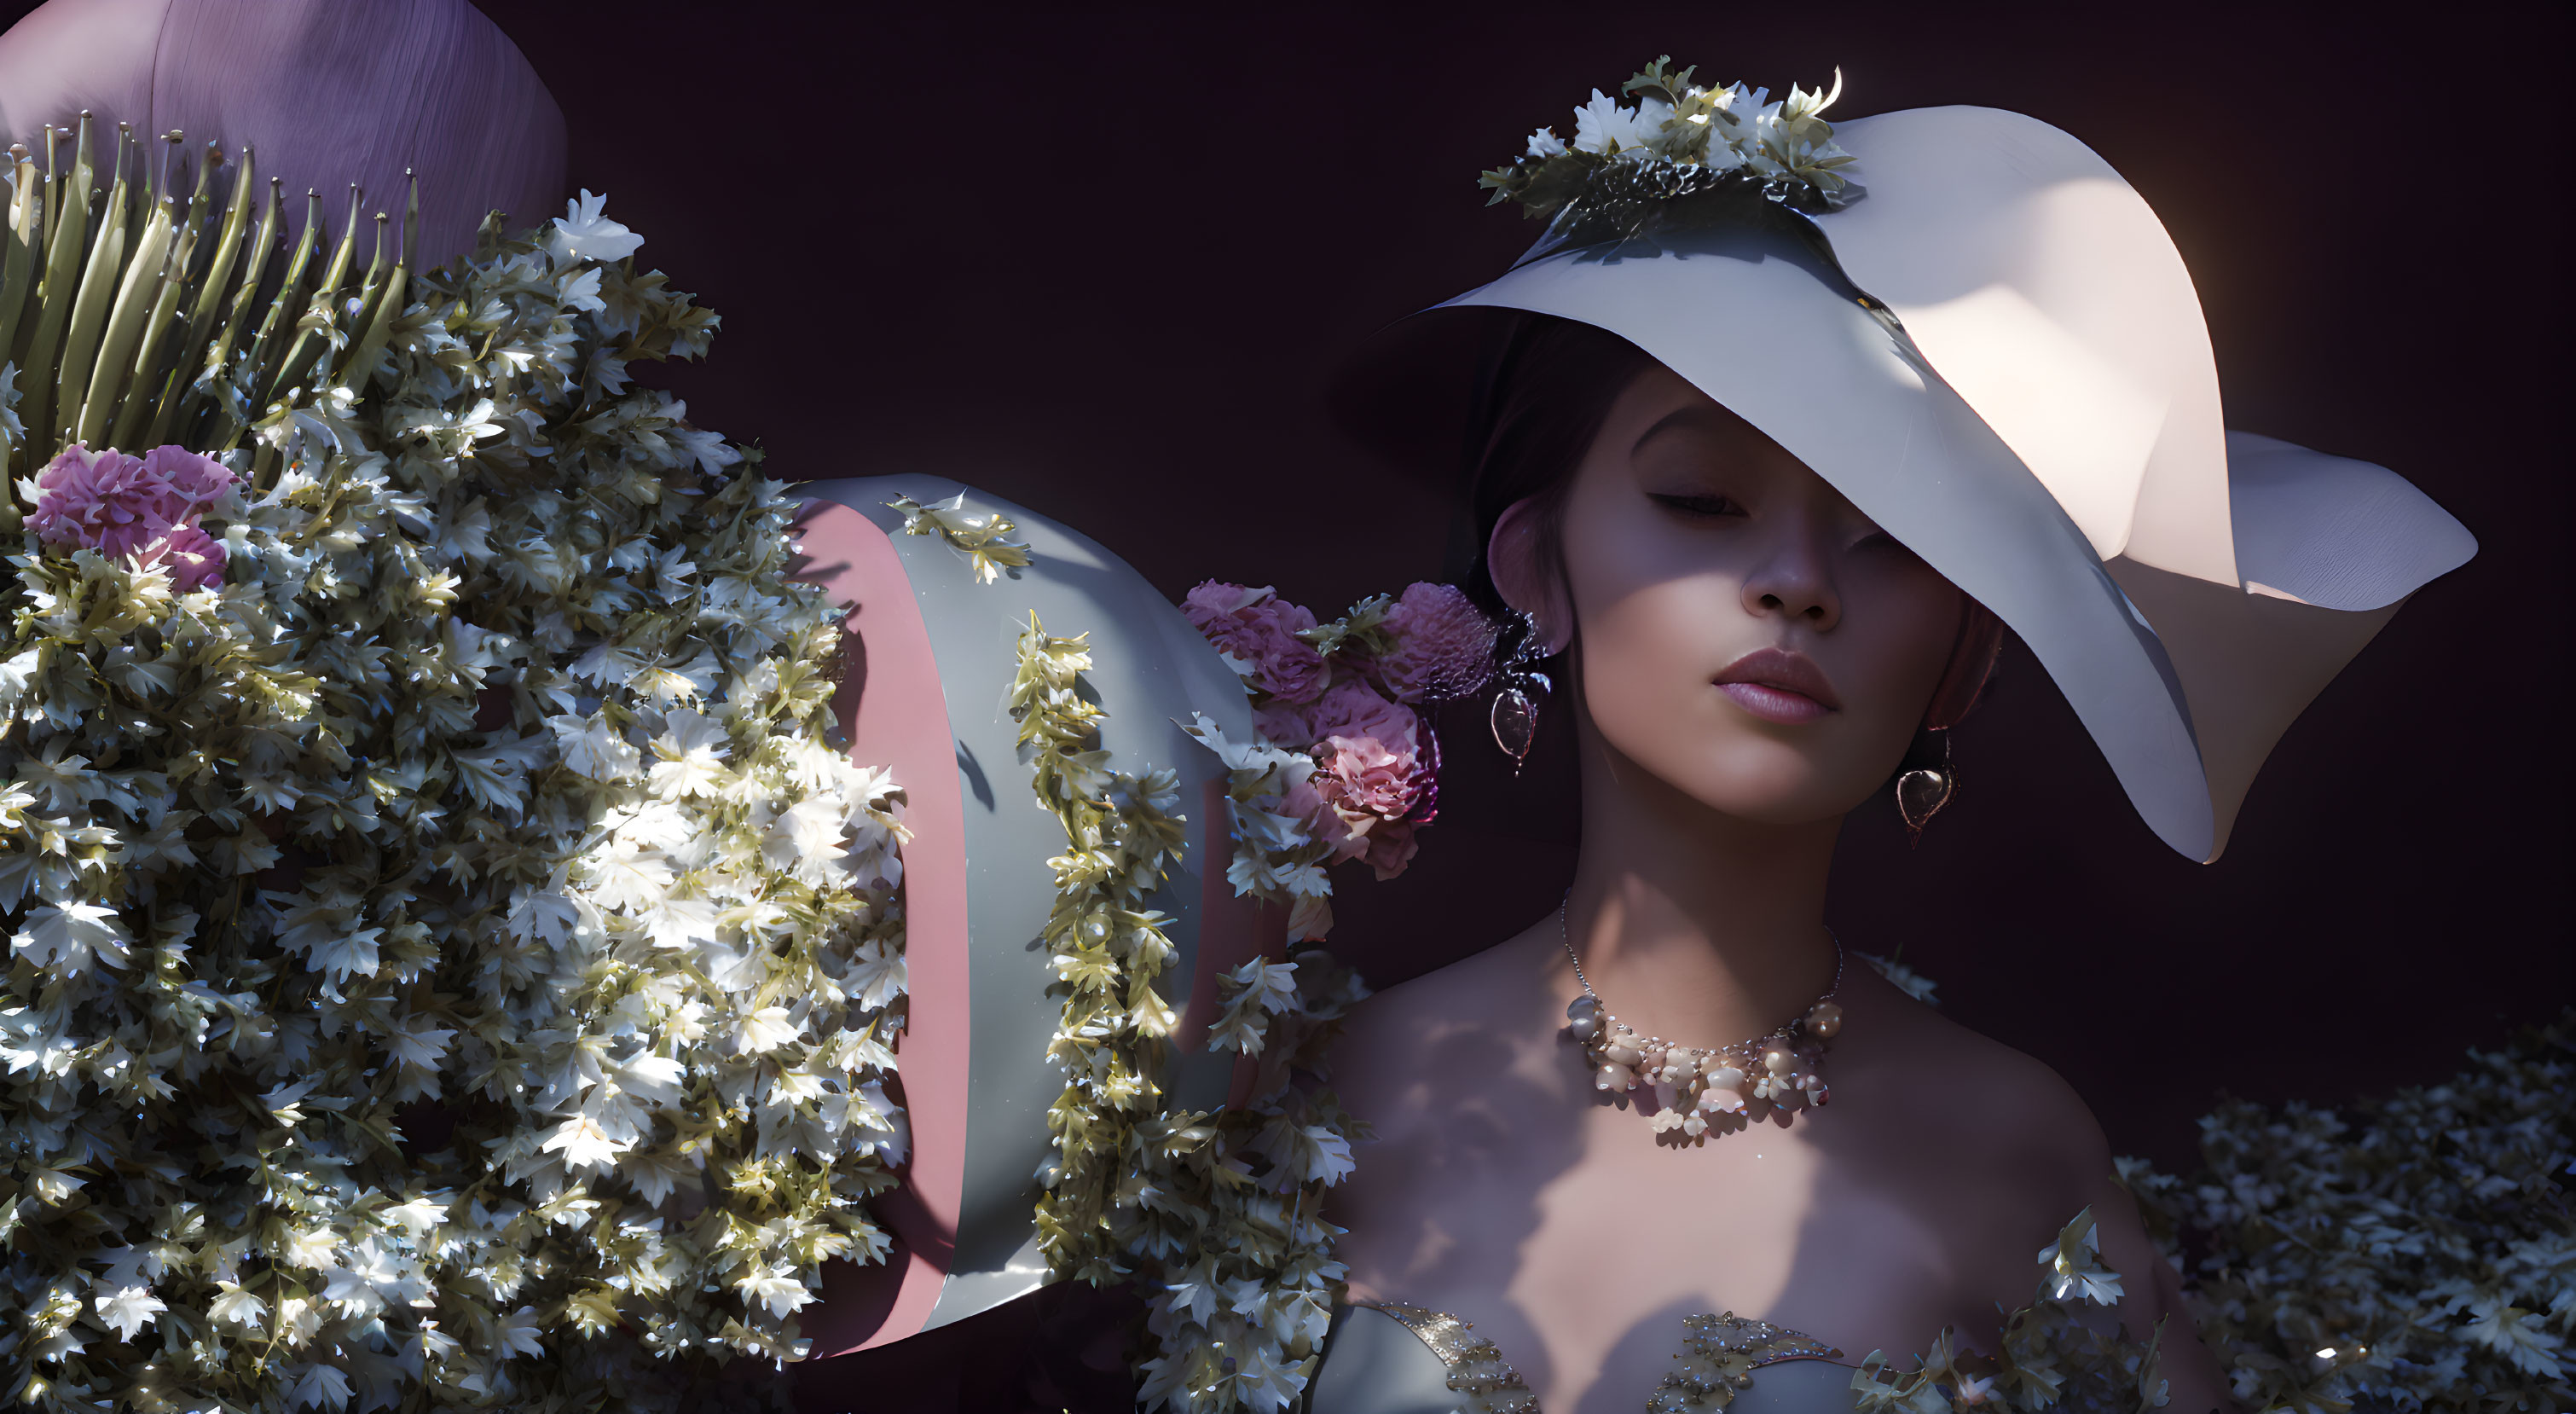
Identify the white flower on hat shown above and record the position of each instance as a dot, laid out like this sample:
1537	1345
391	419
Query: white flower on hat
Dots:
1604	127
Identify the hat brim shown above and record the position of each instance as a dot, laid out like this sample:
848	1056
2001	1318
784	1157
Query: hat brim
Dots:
1764	326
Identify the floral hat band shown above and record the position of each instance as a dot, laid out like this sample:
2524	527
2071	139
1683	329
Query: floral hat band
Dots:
1685	155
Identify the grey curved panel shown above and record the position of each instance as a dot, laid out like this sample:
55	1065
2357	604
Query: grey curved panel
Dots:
1375	1364
1151	670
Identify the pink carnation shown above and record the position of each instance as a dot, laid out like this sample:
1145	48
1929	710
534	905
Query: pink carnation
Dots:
1443	644
1361	800
193	558
1354	709
1259	628
140	508
1349	707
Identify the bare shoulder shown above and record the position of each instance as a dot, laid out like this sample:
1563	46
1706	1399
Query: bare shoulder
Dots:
1955	1090
1454	1023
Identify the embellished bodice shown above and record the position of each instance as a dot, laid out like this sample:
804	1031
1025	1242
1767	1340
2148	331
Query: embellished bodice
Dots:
1395	1358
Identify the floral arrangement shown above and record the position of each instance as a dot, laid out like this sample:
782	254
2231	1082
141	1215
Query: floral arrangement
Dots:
1215	1216
1627	168
2417	1252
448	962
1345	695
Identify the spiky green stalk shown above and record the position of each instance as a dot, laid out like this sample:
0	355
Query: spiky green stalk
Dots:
145	316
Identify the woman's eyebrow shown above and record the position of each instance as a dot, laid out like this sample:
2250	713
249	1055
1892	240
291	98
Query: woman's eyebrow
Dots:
1691	417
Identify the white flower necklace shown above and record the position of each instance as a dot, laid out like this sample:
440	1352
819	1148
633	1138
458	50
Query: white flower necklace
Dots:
1698	1090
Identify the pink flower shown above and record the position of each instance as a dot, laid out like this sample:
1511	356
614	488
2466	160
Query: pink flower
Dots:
1365	799
1259	628
193	558
1349	707
139	508
1361	774
200	478
1444	645
1354	709
1283	724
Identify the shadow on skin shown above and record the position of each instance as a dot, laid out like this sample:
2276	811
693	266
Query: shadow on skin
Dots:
1654	1336
1506	1129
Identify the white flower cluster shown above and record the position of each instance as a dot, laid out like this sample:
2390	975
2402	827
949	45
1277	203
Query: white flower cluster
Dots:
2417	1252
1721	129
1680	139
447	961
1277	858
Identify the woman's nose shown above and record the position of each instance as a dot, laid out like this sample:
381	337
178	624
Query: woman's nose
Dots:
1794	577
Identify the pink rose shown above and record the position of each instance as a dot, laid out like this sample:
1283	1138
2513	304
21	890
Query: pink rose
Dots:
1443	644
1260	628
1353	708
193	558
140	508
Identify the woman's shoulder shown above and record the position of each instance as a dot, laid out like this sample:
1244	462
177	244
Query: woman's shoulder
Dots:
1432	1041
1932	1073
1999	1145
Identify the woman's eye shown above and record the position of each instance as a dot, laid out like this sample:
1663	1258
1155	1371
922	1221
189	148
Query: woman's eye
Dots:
1697	504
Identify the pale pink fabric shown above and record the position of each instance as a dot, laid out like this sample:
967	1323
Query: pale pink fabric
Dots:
897	714
329	92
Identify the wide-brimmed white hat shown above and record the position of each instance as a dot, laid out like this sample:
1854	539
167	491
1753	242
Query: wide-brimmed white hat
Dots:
1998	355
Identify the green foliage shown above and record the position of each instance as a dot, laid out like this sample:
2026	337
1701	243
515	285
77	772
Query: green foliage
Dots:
2417	1252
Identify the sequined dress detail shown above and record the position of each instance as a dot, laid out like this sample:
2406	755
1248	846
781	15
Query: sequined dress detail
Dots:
1720	1354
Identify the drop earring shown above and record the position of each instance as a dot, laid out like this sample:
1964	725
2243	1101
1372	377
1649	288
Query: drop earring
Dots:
1514	717
1921	790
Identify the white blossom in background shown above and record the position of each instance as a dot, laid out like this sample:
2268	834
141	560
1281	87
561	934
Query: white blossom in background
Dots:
448	964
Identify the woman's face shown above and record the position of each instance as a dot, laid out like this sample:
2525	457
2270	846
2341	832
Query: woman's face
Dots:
1743	632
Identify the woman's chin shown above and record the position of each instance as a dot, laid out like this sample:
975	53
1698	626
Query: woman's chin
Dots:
1784	794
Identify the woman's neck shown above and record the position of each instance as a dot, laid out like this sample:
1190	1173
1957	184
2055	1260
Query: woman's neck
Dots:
1693	925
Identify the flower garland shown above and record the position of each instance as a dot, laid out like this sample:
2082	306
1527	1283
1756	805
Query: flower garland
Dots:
1217	1216
447	961
1112	1137
982	539
1627	167
1223	1219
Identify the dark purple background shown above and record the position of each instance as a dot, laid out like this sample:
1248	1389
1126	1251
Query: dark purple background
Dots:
1102	265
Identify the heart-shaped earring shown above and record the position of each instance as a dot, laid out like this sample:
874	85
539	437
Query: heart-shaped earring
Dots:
1514	717
1921	792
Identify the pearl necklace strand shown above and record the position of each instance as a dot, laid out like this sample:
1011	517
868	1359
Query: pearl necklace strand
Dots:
1697	1089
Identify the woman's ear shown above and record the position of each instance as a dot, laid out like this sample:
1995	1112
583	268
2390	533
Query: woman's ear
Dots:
1523	575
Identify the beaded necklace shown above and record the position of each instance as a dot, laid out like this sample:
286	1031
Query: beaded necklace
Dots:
1698	1090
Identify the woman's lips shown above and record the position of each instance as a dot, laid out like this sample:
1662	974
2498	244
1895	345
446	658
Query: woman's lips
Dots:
1774	704
1778	686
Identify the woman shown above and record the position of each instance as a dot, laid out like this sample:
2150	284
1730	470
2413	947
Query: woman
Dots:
1764	462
